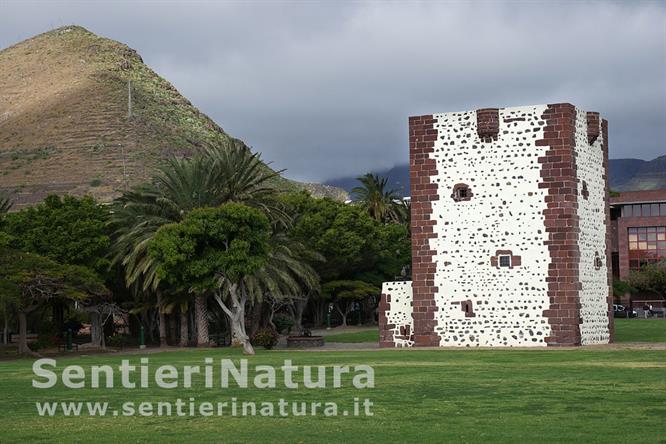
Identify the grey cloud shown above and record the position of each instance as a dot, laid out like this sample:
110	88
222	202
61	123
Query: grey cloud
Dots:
325	89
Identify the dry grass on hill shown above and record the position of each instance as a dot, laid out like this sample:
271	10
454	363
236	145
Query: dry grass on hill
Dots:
64	124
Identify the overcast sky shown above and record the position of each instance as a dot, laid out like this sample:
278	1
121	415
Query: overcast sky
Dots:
324	88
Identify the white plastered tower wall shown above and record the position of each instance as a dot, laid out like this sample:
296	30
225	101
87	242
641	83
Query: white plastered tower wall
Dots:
505	213
523	200
592	237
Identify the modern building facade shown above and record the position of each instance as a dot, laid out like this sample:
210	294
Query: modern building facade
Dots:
510	237
638	224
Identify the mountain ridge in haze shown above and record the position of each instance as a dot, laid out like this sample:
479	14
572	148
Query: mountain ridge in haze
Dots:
624	175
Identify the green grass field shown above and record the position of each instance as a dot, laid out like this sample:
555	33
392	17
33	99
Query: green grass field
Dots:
626	330
640	330
427	396
420	396
355	337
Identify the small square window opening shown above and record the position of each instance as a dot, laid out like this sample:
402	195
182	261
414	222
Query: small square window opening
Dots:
505	261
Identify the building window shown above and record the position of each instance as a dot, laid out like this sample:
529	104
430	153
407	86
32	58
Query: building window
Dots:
647	245
584	192
644	210
468	308
597	261
505	259
461	192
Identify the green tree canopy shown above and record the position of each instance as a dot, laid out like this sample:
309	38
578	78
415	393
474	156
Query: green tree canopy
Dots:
354	245
68	230
27	281
343	293
211	244
220	174
212	251
651	278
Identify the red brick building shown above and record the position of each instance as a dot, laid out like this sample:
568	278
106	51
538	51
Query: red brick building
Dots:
638	224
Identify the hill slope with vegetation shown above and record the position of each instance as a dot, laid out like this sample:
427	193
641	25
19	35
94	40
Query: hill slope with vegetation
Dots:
66	127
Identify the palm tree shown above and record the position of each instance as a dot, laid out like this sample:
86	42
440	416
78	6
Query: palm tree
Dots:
381	204
228	172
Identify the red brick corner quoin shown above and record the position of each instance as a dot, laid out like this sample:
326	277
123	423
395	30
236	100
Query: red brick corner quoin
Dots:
385	329
422	137
561	220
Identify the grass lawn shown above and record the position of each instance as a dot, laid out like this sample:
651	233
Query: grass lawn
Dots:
371	335
640	330
626	330
426	396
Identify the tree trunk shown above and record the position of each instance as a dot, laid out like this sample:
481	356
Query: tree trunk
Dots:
148	322
240	336
162	321
255	317
237	319
23	334
172	322
5	331
58	316
299	308
96	330
318	312
343	313
201	312
184	319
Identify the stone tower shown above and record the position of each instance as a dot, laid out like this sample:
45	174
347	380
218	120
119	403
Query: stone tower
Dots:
510	231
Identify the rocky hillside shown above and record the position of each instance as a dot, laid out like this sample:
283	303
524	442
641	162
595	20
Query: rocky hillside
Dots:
66	126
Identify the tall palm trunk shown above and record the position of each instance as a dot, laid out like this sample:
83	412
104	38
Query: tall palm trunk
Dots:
184	330
162	320
299	308
96	329
256	314
172	330
201	313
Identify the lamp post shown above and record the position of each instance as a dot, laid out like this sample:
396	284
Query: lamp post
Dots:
142	338
328	317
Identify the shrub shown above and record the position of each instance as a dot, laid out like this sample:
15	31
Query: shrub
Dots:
283	323
266	337
620	288
44	341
